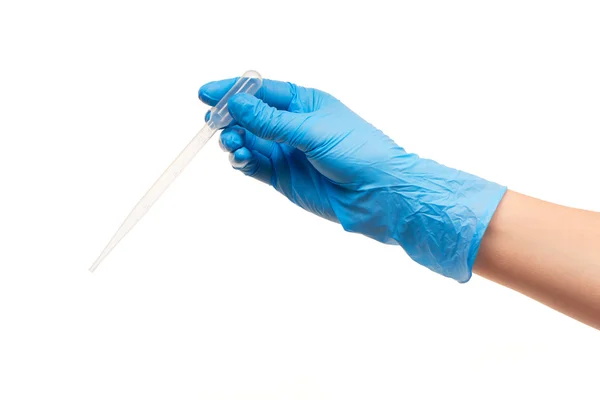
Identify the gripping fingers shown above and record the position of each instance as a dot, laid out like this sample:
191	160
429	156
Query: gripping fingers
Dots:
252	163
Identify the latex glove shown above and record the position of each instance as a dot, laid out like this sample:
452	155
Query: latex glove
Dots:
326	159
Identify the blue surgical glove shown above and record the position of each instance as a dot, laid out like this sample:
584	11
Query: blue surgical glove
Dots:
326	159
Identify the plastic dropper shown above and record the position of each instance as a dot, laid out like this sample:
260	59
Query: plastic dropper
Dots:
219	118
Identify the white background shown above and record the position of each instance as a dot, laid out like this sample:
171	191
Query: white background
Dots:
226	290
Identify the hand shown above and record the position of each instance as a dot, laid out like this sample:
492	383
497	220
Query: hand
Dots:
326	159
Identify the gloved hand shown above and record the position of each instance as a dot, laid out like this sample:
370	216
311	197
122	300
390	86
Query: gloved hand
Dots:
329	161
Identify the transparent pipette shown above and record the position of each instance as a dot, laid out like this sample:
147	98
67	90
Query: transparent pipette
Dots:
250	82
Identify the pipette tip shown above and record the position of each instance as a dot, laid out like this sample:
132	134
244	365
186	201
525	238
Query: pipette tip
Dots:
97	262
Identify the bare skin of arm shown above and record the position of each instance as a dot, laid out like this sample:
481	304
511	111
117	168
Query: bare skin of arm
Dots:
545	251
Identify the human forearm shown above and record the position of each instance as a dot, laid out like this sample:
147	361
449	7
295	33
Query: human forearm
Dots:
547	252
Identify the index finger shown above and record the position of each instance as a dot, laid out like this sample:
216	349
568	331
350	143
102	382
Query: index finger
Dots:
275	93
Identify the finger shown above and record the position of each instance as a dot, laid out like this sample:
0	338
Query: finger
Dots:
269	123
275	93
252	164
235	137
255	143
232	139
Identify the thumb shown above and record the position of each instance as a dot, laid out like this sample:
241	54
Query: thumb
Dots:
268	122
